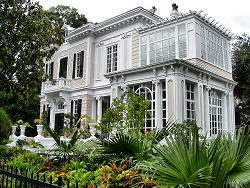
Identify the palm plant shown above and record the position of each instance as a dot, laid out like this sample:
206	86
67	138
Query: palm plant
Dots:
188	161
230	159
132	144
64	148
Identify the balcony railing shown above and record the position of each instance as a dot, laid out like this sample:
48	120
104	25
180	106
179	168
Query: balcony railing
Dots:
58	84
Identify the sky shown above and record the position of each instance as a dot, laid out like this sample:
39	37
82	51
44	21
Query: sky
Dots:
232	14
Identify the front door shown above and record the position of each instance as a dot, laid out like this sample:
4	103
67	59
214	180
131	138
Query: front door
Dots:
59	121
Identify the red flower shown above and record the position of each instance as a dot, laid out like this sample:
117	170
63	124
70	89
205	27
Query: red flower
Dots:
91	186
152	130
127	183
149	184
146	132
106	184
113	167
62	171
106	175
124	166
134	172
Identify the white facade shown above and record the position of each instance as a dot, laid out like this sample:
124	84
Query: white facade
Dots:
182	64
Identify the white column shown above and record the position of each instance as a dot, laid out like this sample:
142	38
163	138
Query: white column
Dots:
158	105
230	112
206	112
225	112
178	99
200	109
99	109
93	116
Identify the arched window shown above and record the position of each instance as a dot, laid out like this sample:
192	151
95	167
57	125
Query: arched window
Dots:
148	89
60	106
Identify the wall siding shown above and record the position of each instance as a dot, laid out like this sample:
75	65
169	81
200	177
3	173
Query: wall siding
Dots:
212	68
135	49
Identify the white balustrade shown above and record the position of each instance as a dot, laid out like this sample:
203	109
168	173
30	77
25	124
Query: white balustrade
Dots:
60	83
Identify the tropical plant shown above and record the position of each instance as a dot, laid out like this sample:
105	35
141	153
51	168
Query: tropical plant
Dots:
5	125
192	162
63	148
133	143
128	111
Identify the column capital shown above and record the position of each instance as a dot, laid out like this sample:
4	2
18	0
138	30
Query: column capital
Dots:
156	82
99	98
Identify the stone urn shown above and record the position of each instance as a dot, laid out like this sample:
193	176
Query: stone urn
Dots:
39	133
13	136
92	130
22	136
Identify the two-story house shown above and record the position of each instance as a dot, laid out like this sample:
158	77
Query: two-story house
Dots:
182	64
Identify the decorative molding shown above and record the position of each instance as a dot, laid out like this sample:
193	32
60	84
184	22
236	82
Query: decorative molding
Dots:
125	36
100	44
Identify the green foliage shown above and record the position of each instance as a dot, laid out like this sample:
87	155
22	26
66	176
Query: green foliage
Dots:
27	38
241	74
132	144
62	14
5	125
25	160
128	111
64	148
191	162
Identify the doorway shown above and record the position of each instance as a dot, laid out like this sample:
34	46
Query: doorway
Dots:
59	122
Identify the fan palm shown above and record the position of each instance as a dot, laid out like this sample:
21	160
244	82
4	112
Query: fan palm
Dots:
187	161
132	144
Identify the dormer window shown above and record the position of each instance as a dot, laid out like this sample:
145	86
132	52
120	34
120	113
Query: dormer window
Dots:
78	65
112	58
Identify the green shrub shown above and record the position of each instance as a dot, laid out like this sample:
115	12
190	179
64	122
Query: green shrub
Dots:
5	125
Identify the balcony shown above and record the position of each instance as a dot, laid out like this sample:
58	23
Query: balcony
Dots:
56	85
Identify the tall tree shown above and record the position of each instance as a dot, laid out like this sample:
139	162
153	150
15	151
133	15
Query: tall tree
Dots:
62	14
27	37
241	74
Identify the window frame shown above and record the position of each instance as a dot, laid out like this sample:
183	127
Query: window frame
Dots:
192	102
59	65
215	112
110	56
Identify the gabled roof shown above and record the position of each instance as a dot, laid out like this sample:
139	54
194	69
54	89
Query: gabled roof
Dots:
136	14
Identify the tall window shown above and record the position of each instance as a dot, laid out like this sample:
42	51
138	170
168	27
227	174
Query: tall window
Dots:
213	47
162	45
76	106
215	113
112	58
182	41
144	50
148	89
63	67
190	103
203	44
49	69
78	65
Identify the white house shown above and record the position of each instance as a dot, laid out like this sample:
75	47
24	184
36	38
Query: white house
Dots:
182	64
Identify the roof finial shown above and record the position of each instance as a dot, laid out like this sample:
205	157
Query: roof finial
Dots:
175	13
153	9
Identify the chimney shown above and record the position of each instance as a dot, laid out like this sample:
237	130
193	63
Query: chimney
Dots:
175	13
